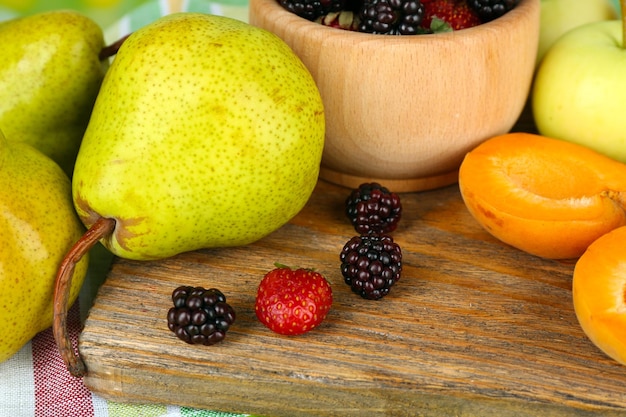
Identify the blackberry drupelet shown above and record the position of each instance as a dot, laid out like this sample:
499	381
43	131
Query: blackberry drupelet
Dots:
391	17
371	265
312	9
200	316
372	208
488	10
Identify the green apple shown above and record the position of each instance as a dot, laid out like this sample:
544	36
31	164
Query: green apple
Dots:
559	16
579	92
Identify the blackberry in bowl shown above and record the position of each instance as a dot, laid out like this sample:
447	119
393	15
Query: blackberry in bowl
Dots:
403	110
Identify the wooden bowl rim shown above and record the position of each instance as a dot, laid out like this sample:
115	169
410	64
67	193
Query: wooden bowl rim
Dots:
294	23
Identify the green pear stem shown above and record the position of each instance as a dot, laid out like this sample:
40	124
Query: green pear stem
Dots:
101	228
110	50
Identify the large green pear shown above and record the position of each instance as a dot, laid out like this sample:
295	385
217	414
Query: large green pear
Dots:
50	74
38	225
207	132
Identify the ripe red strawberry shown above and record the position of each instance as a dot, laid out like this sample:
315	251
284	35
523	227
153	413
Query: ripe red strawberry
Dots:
292	301
455	13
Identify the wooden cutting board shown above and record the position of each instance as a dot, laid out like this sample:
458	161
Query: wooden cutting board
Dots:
473	328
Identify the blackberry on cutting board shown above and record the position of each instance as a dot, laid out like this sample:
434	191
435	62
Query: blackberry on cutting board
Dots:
200	316
312	9
372	208
391	17
371	265
488	10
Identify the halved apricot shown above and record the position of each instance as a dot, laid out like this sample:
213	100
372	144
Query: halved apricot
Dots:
544	196
598	289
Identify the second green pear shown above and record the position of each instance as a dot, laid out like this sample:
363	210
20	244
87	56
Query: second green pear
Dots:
38	226
207	132
50	74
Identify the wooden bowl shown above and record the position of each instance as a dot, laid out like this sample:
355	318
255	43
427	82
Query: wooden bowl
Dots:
404	110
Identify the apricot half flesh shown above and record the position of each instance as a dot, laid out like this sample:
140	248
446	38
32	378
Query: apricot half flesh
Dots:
599	288
544	196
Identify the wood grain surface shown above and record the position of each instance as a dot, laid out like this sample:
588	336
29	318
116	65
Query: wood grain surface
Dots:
473	328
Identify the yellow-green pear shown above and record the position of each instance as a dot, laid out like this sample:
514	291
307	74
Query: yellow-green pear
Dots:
207	132
38	226
50	74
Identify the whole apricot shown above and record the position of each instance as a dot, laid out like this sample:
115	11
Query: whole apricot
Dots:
547	197
598	289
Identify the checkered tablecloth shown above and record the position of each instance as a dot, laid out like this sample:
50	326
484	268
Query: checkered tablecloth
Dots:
35	381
